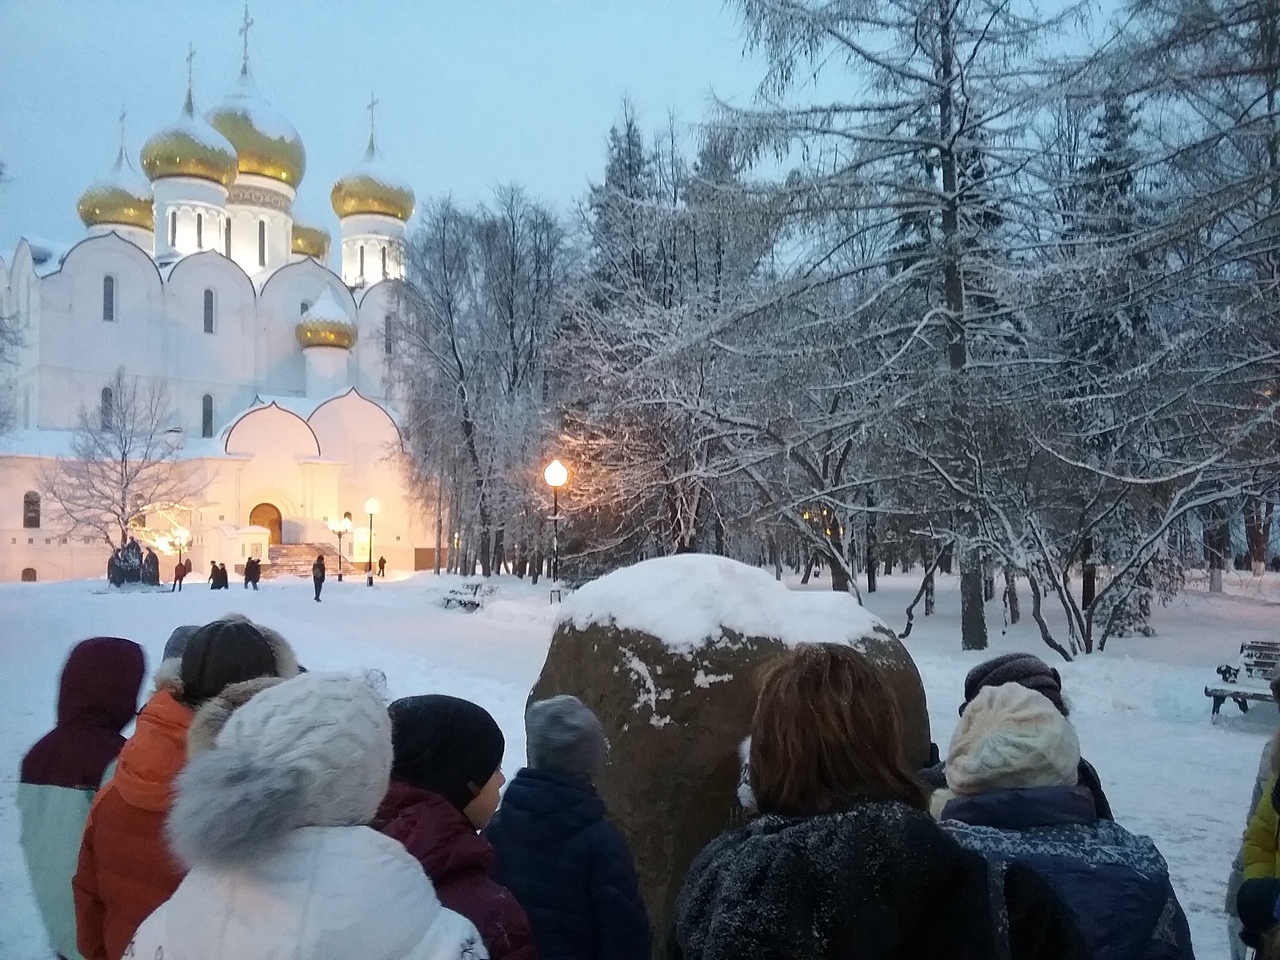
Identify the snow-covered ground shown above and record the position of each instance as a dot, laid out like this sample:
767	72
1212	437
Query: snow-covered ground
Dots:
1140	707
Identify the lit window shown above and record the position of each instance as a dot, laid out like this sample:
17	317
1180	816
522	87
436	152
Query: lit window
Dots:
173	228
208	311
200	231
206	416
109	299
31	510
226	243
262	243
106	411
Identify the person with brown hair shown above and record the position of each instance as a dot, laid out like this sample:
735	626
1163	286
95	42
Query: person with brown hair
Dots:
844	860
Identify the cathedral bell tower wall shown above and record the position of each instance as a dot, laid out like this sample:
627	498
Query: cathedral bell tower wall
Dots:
326	371
372	249
190	216
261	211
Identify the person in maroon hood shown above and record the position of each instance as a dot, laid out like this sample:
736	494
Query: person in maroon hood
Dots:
445	777
97	697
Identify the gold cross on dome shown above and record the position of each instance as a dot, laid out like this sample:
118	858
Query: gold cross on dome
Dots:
244	33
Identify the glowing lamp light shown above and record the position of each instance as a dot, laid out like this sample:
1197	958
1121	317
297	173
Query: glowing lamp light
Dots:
372	506
556	474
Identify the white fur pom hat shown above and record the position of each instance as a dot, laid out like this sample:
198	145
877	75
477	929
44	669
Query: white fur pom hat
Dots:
1012	737
311	751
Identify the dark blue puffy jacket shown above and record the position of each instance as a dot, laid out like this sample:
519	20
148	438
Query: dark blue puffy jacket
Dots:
570	869
1115	883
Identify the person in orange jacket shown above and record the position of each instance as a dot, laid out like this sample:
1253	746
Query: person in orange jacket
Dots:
125	869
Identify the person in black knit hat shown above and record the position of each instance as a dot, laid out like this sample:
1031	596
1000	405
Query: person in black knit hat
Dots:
445	777
1027	670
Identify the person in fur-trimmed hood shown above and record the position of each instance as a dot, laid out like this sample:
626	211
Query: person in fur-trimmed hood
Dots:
567	865
445	779
271	824
1012	770
125	869
97	697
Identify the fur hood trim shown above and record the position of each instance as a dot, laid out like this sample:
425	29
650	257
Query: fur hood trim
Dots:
938	801
213	716
168	677
231	806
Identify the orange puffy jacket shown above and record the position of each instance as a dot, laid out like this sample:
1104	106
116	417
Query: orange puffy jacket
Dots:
126	869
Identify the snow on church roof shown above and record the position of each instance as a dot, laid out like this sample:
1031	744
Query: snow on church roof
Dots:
684	600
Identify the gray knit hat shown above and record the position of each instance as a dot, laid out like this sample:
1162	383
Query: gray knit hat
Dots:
564	736
177	641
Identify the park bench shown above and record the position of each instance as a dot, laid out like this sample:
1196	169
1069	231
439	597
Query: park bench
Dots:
469	596
1250	677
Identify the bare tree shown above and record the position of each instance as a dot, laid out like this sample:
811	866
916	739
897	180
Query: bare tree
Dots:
123	464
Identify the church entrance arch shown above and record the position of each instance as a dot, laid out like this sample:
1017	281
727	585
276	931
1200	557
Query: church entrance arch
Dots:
268	515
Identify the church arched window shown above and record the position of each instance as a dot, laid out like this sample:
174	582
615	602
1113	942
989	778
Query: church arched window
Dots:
387	342
362	262
226	241
384	261
31	510
105	408
200	231
262	243
28	574
173	228
109	298
206	416
208	311
304	306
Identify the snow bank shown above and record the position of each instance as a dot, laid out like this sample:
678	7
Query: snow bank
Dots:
685	600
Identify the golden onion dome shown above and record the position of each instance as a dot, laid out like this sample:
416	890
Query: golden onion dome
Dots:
190	148
326	324
121	197
370	189
309	241
265	142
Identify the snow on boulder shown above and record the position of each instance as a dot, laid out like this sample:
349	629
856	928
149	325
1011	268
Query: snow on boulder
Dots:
666	652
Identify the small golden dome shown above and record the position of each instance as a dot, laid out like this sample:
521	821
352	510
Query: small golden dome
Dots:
265	142
326	324
310	241
190	148
122	197
368	189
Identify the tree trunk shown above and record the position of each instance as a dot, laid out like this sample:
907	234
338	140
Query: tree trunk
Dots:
871	546
1011	596
944	561
775	557
929	580
808	569
499	549
1217	545
988	582
973	620
1038	617
1088	574
839	578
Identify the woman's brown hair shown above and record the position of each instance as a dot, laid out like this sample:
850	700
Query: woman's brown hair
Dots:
827	733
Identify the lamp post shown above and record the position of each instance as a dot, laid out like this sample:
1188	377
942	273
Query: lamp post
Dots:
556	476
371	506
340	528
181	539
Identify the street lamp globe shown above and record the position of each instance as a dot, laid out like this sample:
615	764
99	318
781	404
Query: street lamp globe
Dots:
372	506
556	474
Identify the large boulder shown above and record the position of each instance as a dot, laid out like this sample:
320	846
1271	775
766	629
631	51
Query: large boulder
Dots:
667	652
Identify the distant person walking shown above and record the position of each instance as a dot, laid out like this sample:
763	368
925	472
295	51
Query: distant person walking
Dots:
213	575
223	582
252	572
317	575
179	574
382	566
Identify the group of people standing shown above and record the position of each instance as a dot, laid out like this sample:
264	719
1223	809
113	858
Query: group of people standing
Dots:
260	810
129	564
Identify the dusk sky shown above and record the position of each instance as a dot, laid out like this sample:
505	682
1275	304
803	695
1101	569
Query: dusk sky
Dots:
471	94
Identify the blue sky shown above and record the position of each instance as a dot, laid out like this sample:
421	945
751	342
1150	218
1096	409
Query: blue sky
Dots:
472	93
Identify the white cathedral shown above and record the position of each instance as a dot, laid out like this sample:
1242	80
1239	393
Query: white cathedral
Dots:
276	367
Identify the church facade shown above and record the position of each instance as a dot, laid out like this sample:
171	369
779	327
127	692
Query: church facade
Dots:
199	278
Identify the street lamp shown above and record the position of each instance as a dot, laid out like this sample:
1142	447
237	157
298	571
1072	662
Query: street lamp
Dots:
556	476
340	528
181	540
371	506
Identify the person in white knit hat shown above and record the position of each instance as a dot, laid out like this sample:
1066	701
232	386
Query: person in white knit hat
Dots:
271	822
1012	770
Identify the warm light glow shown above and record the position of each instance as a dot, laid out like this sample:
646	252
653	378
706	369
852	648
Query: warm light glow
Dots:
340	525
182	536
371	506
556	474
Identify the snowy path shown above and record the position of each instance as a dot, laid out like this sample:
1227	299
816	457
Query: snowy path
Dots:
1140	708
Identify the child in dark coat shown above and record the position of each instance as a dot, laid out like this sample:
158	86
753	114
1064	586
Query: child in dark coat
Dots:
445	777
567	865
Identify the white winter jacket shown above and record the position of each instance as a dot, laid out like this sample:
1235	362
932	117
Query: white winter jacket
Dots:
327	893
